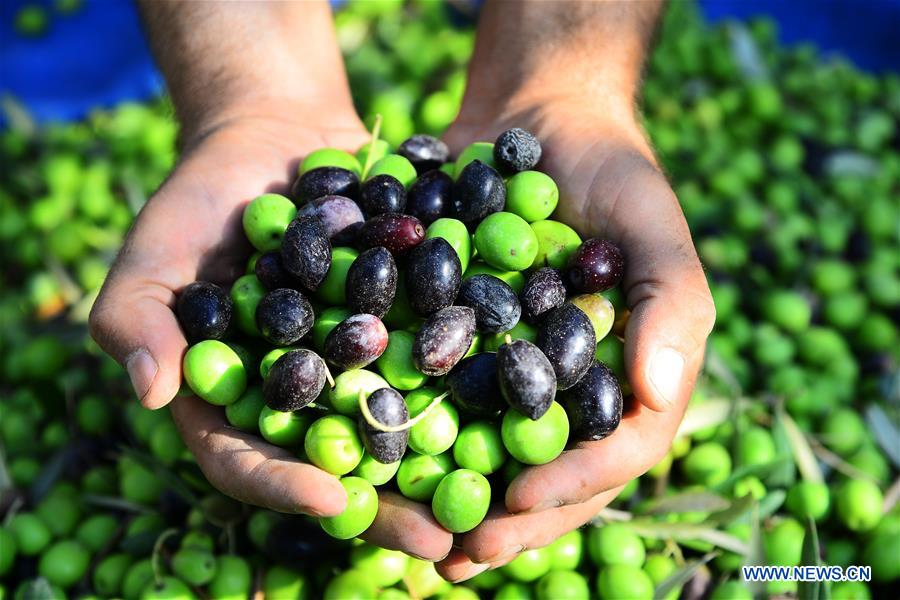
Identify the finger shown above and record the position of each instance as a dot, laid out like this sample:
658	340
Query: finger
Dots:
246	468
672	311
502	536
132	319
133	322
409	526
590	468
458	567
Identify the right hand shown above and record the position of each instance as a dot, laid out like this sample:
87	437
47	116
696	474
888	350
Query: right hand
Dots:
191	230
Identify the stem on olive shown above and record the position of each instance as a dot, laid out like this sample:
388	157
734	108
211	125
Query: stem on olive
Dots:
328	376
376	131
376	424
157	550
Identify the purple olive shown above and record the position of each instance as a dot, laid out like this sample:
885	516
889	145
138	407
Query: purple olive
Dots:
398	233
340	216
294	380
306	251
443	340
594	404
566	336
356	341
372	282
596	266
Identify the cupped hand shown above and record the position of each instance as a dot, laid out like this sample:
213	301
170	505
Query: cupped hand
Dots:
191	229
610	187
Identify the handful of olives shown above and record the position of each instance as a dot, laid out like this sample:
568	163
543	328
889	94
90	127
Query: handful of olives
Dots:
414	322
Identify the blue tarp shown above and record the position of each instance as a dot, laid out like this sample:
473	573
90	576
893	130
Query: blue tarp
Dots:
97	56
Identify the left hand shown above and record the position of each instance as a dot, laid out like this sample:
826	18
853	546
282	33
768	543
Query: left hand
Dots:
610	187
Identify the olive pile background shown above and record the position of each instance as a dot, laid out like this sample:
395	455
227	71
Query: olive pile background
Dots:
788	169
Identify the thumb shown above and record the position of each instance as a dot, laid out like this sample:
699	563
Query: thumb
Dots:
132	320
672	311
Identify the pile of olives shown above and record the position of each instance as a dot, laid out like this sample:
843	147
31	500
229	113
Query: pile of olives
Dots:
414	321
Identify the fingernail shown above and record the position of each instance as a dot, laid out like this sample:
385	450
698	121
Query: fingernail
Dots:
142	371
545	505
509	552
666	368
477	569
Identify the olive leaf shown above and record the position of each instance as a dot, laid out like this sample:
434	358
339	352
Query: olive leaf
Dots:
812	590
762	470
771	502
706	413
886	433
803	455
116	503
688	532
785	475
691	501
681	576
756	555
734	511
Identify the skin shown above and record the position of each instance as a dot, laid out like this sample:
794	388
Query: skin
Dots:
569	73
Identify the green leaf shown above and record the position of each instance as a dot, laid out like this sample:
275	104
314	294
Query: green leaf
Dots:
700	415
737	509
785	475
771	502
756	554
681	576
810	590
688	531
886	433
762	470
116	503
803	455
51	472
692	501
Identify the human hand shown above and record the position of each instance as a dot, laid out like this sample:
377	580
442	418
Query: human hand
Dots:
610	187
189	230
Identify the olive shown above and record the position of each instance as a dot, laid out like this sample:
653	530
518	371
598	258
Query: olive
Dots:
443	340
478	191
494	302
425	152
382	194
567	337
372	282
306	251
325	181
429	197
594	404
386	406
474	386
544	290
356	341
398	233
294	380
271	272
526	377
432	276
204	311
340	216
283	316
